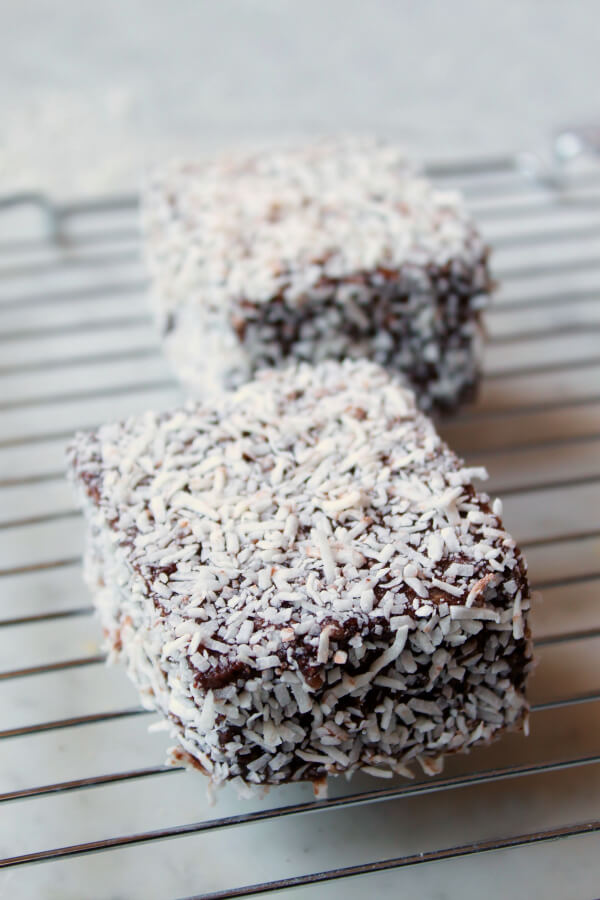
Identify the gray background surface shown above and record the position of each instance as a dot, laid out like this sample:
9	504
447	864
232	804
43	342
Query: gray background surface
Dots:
91	92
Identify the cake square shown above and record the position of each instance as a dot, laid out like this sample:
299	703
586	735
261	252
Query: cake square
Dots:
303	579
336	249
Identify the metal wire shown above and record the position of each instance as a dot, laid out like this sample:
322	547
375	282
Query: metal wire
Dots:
311	807
88	610
573	196
574	481
398	862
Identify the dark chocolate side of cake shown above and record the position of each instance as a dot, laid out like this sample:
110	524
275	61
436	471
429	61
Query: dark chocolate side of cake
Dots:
382	321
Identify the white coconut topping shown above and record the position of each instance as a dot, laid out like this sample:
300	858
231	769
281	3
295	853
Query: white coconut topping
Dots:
341	615
280	220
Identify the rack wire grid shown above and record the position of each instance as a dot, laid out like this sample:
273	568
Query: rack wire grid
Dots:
84	790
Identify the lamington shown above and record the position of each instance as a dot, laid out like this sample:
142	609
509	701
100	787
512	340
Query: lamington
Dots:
303	580
332	250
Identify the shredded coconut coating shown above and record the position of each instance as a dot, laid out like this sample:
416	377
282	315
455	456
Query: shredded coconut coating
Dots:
335	249
303	579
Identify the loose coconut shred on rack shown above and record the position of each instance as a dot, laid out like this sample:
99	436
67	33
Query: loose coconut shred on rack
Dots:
304	580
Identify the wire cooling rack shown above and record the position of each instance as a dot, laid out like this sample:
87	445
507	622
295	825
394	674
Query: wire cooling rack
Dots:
82	788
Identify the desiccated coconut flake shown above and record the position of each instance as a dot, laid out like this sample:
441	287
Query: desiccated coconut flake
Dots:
329	567
323	651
